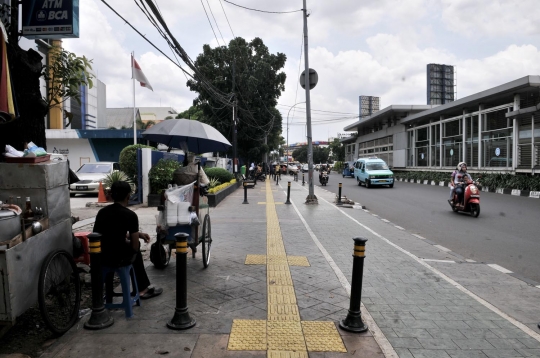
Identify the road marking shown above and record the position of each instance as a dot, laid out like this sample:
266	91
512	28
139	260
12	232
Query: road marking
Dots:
434	260
372	214
499	268
442	248
399	227
386	221
418	236
469	260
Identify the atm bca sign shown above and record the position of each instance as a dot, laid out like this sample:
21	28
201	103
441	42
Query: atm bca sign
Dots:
50	19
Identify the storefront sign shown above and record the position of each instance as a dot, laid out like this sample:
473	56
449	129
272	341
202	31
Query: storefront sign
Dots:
50	19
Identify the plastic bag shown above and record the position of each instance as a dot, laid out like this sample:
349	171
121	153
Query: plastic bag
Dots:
34	151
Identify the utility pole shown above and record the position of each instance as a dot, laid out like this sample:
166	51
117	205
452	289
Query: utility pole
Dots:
235	164
311	198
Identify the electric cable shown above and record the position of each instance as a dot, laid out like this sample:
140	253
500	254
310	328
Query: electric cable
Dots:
212	27
234	36
217	26
268	12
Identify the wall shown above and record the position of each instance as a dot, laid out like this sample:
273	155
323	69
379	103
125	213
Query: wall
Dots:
78	151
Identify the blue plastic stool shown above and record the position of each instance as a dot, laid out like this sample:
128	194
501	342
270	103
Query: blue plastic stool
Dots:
125	273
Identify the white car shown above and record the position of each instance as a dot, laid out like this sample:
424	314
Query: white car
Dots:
90	174
292	168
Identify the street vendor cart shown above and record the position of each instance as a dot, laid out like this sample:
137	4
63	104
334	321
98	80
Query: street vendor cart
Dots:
36	263
186	201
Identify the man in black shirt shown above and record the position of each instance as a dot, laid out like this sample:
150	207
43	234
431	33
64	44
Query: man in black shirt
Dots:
120	244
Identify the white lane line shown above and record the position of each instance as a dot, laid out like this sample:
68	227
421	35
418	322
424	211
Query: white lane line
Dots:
442	248
418	236
371	214
386	221
469	260
399	227
480	300
435	260
379	336
499	268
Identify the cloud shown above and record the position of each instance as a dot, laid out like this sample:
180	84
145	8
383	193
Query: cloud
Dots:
491	18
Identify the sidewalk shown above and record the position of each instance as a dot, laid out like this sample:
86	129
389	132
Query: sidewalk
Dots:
258	297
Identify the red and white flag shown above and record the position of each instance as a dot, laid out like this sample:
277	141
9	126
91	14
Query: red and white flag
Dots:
138	74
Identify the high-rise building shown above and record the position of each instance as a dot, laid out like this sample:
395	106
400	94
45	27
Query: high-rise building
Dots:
440	84
368	105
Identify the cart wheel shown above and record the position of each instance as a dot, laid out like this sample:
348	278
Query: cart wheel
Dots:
59	291
206	240
160	255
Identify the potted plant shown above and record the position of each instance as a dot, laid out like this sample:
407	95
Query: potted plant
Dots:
160	176
113	177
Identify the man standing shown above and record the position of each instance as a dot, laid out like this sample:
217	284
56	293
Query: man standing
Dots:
120	244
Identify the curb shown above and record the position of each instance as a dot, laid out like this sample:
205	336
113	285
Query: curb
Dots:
515	192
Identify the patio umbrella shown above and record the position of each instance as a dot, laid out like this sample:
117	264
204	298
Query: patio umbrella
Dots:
199	137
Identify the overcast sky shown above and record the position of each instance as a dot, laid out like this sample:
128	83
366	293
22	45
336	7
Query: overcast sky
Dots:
370	47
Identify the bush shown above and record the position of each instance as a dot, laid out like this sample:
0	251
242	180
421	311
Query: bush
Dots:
128	160
222	175
161	175
220	187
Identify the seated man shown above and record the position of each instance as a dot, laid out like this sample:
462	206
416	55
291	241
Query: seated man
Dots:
114	223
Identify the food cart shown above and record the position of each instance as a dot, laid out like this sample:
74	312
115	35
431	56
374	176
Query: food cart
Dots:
22	257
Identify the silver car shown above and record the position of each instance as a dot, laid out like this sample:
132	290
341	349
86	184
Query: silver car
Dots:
90	175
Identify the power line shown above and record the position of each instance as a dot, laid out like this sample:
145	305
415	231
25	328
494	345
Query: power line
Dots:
297	82
212	27
268	12
318	110
227	18
217	26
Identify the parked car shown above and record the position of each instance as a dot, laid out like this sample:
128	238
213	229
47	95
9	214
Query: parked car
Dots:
305	168
90	175
283	168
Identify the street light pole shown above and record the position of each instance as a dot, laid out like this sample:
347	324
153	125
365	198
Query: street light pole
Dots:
288	131
311	198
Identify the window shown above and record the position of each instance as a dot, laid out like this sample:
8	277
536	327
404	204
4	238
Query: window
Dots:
452	143
497	139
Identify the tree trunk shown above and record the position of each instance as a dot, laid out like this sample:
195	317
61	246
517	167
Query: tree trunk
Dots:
25	67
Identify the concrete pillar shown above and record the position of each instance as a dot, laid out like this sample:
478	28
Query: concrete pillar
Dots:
56	113
146	160
515	132
480	128
441	141
464	136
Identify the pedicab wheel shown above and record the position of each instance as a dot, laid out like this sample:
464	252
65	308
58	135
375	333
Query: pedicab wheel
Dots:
206	240
59	291
475	210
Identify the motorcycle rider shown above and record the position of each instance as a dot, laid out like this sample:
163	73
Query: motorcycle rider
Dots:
322	169
460	178
452	185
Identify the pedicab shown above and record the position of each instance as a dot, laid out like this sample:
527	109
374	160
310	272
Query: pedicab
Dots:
188	198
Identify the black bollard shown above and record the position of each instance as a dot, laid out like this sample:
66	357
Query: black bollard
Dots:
303	180
353	322
181	318
288	193
100	317
278	176
245	193
339	196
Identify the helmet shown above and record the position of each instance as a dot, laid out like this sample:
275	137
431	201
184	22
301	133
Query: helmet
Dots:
461	164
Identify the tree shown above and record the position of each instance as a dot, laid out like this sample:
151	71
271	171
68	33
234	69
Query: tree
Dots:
257	86
320	154
300	154
338	150
192	112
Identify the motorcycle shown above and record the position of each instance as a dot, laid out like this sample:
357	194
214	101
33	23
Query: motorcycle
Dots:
323	178
471	199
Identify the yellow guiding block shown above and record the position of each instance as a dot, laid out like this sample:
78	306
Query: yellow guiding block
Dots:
282	335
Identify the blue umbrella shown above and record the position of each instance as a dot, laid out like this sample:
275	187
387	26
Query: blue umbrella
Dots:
199	137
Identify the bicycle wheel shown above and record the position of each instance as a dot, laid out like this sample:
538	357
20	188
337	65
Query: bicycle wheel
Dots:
59	291
206	240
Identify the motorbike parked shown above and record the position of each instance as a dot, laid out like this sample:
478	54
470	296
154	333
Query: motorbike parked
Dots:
471	199
323	178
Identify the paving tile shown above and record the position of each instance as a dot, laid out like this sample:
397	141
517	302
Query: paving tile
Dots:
473	343
530	342
445	333
452	324
411	333
434	343
404	342
501	353
403	353
509	343
427	353
466	354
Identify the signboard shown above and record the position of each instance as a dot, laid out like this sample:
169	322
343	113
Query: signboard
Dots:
50	19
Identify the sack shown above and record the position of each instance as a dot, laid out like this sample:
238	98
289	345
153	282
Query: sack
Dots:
158	255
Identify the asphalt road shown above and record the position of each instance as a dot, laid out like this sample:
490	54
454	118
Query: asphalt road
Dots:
506	233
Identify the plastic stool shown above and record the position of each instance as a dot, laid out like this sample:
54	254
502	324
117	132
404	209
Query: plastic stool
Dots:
83	238
125	273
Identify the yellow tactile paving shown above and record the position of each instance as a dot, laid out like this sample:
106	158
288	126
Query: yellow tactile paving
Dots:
248	335
255	260
298	261
282	335
322	337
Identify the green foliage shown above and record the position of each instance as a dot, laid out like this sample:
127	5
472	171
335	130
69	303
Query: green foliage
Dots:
221	187
213	182
259	82
338	166
115	176
338	150
492	181
161	175
128	159
64	75
194	112
220	174
320	155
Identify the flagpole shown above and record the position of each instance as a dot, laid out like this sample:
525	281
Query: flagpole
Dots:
134	115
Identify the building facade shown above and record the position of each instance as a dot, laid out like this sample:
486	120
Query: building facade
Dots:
494	130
